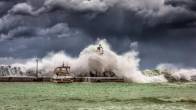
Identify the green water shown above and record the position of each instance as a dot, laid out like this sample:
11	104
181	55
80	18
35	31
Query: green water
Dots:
97	96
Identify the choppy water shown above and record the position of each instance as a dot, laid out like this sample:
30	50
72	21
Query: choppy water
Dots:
98	96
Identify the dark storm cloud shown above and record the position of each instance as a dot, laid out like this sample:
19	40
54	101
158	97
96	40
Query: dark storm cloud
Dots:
106	17
189	4
40	46
36	27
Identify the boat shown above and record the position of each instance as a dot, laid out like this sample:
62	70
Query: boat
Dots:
62	75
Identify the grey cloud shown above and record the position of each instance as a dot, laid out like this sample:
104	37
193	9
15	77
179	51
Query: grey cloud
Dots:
14	26
151	13
22	8
189	4
56	31
25	32
4	7
8	22
128	17
10	60
79	5
104	5
40	46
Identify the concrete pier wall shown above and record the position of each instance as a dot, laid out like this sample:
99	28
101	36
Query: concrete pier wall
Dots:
48	79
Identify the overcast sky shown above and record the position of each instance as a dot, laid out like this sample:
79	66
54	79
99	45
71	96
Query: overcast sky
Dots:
165	30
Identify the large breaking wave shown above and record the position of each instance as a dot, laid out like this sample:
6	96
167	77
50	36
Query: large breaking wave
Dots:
124	66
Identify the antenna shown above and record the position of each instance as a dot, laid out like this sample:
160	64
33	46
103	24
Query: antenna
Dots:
37	61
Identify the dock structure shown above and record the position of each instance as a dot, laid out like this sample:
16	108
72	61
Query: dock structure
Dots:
61	74
98	79
49	79
74	79
24	79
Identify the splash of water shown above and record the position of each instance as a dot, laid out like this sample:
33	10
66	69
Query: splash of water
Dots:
177	72
124	66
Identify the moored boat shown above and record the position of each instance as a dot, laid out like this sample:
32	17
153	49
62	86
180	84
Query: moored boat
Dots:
62	75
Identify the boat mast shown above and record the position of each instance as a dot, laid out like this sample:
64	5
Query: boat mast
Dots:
37	61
